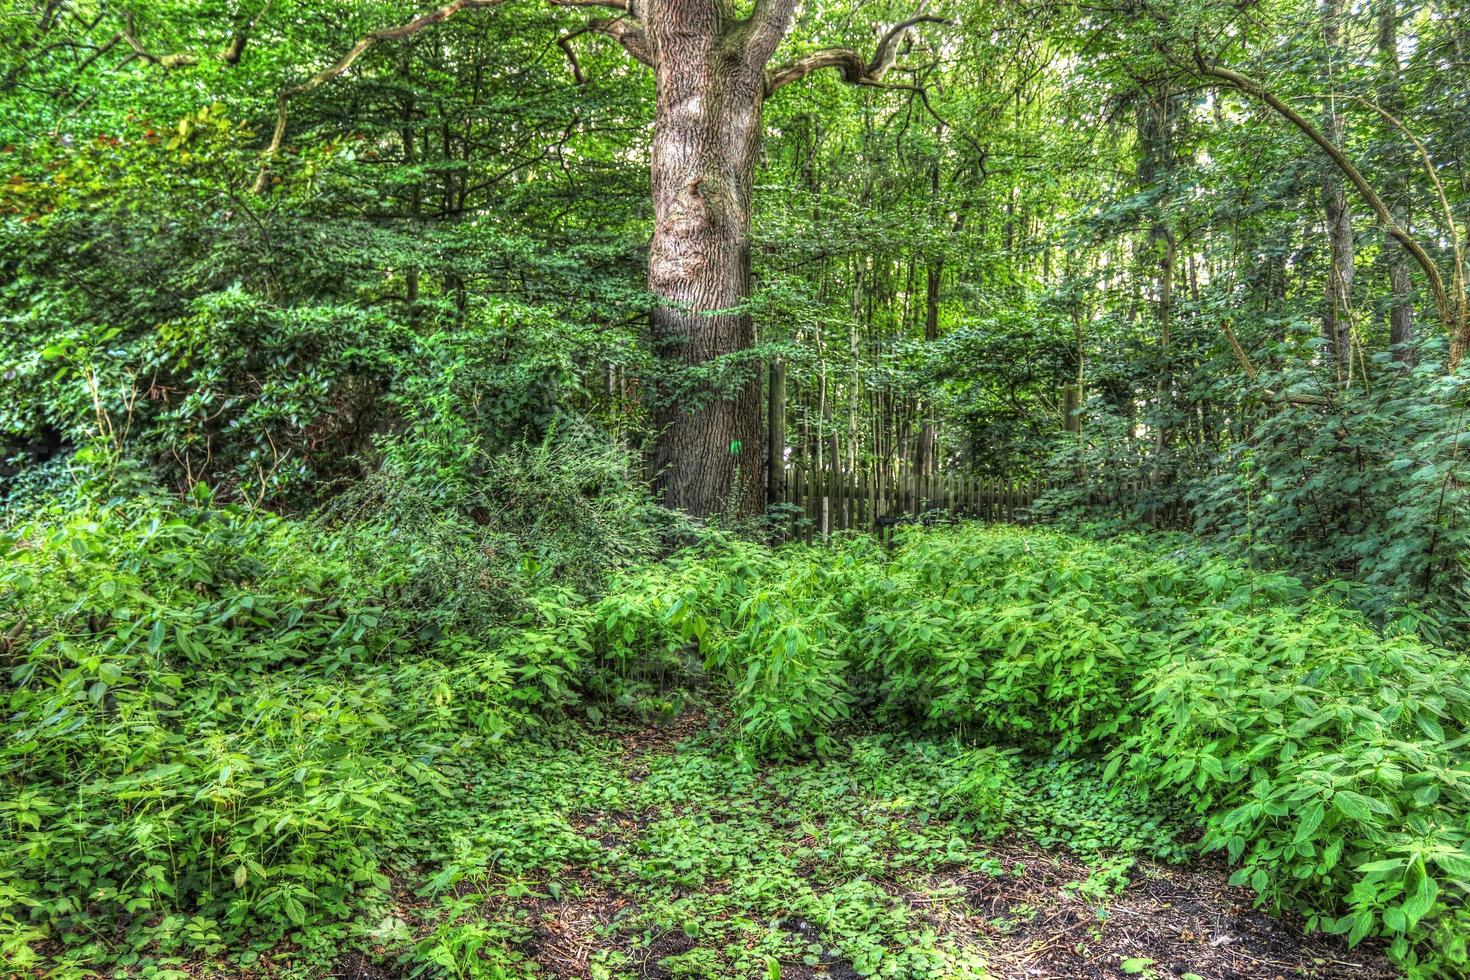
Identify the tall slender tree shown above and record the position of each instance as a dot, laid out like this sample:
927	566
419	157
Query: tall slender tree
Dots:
1336	315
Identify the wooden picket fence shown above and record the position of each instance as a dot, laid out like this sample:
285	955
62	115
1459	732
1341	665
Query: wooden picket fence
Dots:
831	501
828	501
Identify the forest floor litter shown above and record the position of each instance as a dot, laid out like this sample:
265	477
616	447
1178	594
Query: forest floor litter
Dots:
657	853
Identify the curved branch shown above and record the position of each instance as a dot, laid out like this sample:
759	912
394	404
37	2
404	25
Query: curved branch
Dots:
626	33
1457	325
887	51
850	64
230	54
565	43
129	33
1439	192
262	179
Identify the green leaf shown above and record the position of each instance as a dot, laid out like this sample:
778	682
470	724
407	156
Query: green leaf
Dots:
1310	820
1353	805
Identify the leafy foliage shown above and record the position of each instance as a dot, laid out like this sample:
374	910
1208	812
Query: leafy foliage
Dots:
1319	753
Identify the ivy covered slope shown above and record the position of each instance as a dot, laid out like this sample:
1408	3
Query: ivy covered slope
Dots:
240	742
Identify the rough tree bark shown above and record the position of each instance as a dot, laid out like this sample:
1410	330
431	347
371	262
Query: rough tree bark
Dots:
711	84
707	130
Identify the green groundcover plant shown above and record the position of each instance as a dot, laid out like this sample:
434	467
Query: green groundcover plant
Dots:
220	723
1327	759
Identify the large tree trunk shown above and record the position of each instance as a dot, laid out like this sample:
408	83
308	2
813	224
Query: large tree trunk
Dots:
710	76
707	132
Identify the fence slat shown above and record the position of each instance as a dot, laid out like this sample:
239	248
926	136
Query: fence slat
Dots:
830	499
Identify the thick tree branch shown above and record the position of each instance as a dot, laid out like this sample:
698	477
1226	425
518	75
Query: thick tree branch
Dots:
766	27
853	68
1456	323
848	62
627	33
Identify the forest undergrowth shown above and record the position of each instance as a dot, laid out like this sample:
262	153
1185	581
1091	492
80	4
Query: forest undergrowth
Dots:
242	744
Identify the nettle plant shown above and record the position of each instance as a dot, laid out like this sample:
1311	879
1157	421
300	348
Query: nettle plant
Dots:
222	717
1327	758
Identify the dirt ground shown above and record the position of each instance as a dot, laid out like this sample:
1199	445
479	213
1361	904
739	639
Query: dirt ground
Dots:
1043	917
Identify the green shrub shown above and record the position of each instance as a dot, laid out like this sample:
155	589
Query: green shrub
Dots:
1326	759
220	718
214	714
772	627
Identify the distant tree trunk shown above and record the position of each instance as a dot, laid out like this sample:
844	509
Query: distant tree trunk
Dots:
776	432
1157	132
1400	282
1071	407
1336	322
924	449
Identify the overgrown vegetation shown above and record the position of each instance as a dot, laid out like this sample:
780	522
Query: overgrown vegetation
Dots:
223	728
407	414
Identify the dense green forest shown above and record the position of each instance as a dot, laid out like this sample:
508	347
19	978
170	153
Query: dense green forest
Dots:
734	488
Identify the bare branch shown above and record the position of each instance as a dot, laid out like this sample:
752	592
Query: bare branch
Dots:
850	64
167	61
230	54
1290	399
233	51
